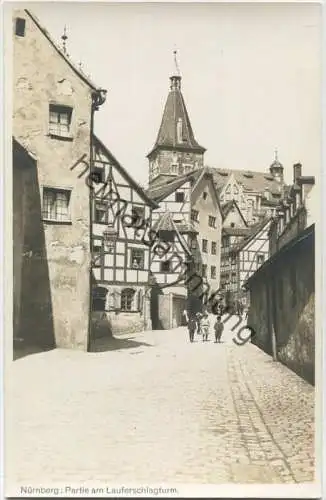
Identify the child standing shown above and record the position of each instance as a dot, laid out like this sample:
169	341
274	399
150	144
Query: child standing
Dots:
204	326
218	327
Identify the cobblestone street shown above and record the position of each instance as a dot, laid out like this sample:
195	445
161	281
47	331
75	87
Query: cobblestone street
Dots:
155	408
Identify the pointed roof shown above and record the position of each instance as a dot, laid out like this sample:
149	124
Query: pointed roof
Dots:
175	113
166	223
228	206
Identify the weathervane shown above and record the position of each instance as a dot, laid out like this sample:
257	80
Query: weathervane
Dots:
176	63
64	39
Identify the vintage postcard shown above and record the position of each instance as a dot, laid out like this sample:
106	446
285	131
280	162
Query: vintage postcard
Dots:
162	306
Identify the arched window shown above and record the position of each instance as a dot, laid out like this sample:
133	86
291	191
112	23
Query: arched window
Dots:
127	299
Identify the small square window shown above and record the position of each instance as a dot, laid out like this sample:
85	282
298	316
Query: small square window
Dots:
97	175
60	120
165	266
137	258
260	259
56	205
20	26
179	197
166	236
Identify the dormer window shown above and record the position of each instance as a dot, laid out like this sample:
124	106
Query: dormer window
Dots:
179	131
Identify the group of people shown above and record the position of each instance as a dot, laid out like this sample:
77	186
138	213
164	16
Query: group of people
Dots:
202	324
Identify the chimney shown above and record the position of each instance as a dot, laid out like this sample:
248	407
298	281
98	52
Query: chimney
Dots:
297	172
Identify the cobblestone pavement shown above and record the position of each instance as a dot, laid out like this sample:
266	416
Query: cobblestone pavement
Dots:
154	408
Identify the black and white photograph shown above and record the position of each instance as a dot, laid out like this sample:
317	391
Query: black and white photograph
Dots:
162	187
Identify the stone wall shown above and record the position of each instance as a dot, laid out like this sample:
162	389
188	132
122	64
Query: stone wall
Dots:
58	255
282	297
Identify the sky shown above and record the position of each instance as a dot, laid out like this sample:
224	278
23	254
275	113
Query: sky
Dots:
251	76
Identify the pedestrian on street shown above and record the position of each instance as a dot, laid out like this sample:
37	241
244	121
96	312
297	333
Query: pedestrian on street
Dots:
218	327
192	324
204	326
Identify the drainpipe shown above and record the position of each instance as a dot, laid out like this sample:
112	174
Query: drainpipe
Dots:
98	98
272	309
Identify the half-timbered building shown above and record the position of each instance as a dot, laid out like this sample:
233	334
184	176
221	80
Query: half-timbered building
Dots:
245	257
194	217
121	219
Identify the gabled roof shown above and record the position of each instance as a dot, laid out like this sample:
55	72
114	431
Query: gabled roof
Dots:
124	173
64	56
255	230
249	180
227	207
166	223
175	109
160	191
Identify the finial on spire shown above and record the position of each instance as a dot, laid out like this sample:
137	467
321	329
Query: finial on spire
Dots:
64	38
276	154
176	63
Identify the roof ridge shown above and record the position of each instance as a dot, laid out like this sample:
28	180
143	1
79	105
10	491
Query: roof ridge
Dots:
45	32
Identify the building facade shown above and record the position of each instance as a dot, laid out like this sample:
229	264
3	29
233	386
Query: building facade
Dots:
120	248
256	193
53	109
194	210
282	291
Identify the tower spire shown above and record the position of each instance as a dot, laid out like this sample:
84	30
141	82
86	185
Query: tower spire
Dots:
276	154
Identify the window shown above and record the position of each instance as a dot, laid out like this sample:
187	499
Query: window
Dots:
228	189
56	204
101	212
211	221
232	224
193	243
137	258
20	26
179	196
138	214
205	195
213	272
234	278
165	266
97	175
204	270
214	247
194	215
260	259
204	246
225	241
97	253
127	299
60	120
166	236
235	189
